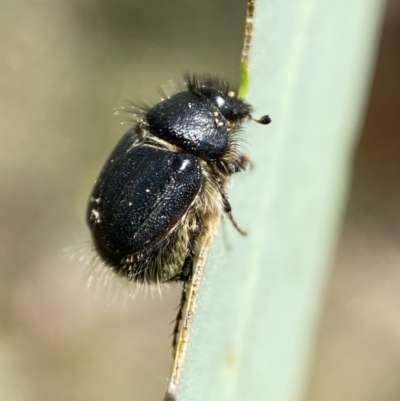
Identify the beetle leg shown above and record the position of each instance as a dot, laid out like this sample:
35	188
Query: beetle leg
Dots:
228	210
187	268
184	277
179	316
242	162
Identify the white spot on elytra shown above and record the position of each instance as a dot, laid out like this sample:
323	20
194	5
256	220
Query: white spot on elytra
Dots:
95	215
184	165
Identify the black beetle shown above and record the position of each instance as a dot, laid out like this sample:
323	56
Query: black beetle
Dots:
163	190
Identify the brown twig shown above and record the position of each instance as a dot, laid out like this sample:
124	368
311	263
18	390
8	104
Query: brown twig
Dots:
248	31
189	311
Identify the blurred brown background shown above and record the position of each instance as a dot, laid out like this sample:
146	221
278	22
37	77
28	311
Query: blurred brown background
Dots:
64	66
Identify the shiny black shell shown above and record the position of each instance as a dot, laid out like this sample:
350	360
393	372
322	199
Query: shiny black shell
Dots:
141	194
192	122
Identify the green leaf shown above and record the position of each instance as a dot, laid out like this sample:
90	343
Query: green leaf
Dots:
258	306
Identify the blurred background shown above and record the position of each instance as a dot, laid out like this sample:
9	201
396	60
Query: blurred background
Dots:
64	66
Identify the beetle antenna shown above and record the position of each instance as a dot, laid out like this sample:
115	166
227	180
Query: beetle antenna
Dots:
263	120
